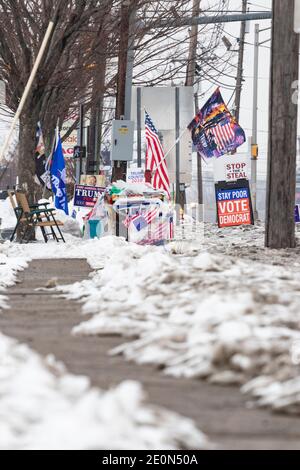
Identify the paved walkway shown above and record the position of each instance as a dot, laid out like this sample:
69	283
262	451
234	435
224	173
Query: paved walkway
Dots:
44	321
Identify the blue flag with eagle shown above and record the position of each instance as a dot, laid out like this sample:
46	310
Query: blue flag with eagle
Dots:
58	177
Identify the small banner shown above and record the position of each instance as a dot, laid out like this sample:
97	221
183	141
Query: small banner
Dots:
86	196
234	206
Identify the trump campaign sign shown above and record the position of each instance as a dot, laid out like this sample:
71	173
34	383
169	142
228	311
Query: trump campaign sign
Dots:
234	205
86	196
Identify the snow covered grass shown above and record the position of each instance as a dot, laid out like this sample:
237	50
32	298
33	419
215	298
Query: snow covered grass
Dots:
44	407
227	312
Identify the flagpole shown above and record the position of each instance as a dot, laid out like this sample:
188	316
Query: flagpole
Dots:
27	88
50	156
170	150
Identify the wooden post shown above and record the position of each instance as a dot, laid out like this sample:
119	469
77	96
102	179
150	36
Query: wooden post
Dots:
191	67
281	184
32	76
120	168
190	81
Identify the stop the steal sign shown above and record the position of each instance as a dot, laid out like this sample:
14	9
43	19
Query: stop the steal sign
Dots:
234	204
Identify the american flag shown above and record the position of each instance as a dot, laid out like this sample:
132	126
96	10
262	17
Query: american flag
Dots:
223	134
155	161
148	217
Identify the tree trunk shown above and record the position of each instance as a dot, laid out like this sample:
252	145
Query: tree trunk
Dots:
281	187
26	162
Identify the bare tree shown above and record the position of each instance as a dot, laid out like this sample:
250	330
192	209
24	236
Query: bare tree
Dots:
65	71
86	58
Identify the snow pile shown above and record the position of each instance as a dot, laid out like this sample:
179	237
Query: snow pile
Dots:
9	266
44	407
7	214
212	316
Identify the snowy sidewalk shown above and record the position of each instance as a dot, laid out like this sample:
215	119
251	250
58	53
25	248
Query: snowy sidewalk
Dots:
44	321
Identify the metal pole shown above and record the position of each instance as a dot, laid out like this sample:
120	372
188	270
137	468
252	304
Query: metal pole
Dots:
139	127
240	69
27	88
81	125
214	19
177	130
199	158
97	140
254	125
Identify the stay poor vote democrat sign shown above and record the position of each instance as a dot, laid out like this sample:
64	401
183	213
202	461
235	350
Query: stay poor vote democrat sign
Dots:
234	205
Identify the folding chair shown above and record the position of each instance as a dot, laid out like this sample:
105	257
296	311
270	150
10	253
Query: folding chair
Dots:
33	217
19	211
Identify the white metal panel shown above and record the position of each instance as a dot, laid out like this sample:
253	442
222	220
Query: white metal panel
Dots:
297	17
185	156
160	104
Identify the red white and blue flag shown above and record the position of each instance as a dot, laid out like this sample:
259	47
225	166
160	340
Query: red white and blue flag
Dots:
141	219
215	130
155	161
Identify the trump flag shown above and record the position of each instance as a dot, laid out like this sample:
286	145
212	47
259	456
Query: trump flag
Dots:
215	131
58	177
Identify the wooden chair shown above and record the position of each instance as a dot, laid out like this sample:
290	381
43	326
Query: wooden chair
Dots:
19	211
33	216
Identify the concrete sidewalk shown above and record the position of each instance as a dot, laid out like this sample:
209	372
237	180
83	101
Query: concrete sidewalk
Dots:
44	322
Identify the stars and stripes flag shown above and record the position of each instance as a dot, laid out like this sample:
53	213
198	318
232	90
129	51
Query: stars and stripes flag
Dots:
223	135
155	161
215	130
148	217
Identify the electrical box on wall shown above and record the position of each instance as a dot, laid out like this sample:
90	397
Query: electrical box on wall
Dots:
122	140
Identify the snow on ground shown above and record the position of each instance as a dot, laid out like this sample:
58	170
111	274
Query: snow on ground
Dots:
9	266
227	311
44	407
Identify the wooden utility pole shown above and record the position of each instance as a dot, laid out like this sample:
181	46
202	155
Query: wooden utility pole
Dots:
191	67
120	167
281	185
240	69
190	81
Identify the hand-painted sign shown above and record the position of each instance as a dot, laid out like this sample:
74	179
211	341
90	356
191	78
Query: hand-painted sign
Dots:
86	196
234	205
135	175
232	167
235	171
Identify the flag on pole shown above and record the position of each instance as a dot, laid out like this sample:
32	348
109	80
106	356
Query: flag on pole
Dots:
58	176
42	176
155	161
215	131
